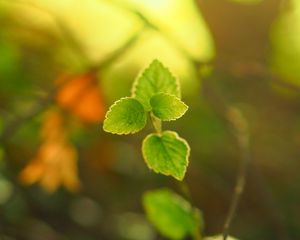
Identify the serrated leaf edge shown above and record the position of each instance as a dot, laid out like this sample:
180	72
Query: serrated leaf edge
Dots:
142	72
109	110
171	119
178	138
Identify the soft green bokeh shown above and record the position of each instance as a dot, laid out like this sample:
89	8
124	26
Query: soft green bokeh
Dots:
166	153
132	226
125	116
150	45
6	190
172	215
167	107
8	59
286	44
181	21
100	27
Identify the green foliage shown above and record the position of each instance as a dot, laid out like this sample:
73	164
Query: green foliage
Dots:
166	153
167	107
286	45
171	214
155	79
158	92
125	116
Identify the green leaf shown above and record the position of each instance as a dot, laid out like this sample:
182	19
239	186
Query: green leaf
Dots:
166	153
171	214
219	237
167	107
155	79
125	116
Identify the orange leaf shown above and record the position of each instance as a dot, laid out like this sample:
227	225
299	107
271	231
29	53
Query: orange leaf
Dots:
55	163
82	97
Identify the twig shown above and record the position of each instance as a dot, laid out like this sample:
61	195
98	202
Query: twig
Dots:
120	51
183	186
171	39
157	125
219	103
46	101
240	128
185	191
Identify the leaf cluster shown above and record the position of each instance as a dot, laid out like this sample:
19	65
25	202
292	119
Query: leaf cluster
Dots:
156	92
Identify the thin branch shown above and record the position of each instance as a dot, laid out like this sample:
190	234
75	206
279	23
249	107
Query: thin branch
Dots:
171	39
185	191
240	129
43	103
219	103
157	125
184	188
120	51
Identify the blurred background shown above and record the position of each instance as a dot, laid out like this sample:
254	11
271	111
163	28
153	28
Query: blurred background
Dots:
63	63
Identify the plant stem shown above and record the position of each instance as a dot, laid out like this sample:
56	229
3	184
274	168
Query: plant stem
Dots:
156	124
240	128
185	190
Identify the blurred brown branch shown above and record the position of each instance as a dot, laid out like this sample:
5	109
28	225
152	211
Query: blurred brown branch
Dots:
241	132
42	103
